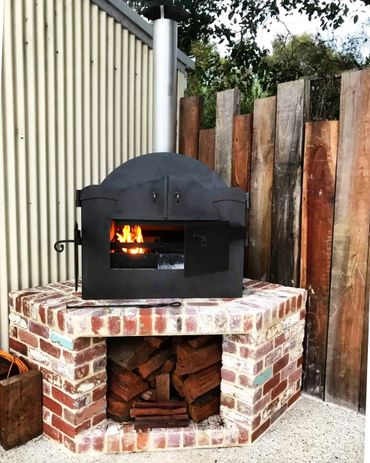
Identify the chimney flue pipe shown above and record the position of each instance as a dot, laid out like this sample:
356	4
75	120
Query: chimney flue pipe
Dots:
165	20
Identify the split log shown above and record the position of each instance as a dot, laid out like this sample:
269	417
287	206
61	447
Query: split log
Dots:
178	383
129	353
163	387
205	406
170	404
163	418
201	382
118	409
200	341
160	424
154	411
191	360
154	341
168	365
127	385
155	362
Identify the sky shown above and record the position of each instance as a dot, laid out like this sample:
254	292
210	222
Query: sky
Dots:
298	24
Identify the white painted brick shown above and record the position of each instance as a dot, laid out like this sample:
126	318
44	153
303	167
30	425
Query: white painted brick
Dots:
17	320
291	320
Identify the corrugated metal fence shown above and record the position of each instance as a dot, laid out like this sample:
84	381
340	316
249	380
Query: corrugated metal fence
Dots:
76	101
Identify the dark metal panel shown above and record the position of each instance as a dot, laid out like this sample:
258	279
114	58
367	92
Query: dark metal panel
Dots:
206	248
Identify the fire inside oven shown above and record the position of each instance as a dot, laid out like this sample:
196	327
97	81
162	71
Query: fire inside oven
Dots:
147	245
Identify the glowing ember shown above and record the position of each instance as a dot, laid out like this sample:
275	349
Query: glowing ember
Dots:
131	235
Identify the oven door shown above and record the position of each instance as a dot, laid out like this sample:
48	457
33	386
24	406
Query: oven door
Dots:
207	246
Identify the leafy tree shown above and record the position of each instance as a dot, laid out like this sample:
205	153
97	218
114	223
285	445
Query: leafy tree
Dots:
249	16
291	58
304	56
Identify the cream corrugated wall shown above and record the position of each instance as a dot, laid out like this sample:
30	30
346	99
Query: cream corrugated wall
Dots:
76	101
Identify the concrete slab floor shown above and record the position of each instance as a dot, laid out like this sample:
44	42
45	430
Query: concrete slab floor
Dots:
311	431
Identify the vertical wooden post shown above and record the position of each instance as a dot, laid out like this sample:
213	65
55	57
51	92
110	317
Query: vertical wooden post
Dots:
241	153
206	150
365	342
350	242
318	191
228	105
291	114
191	111
262	168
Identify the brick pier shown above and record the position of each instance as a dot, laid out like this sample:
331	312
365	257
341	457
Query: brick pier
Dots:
261	362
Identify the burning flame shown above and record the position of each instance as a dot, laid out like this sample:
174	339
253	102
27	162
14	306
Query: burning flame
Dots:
131	235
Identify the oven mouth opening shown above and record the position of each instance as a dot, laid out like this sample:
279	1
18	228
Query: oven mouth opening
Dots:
147	245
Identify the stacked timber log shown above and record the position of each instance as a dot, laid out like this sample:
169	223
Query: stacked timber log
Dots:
160	381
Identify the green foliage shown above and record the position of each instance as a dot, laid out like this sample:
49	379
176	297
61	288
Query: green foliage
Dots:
303	56
256	71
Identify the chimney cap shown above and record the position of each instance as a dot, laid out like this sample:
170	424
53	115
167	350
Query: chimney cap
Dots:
176	13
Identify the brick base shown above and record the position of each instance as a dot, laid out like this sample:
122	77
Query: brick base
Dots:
261	362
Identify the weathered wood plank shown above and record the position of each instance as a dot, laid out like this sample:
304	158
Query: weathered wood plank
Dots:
242	149
350	242
318	192
228	106
20	408
262	169
191	111
365	342
291	114
206	150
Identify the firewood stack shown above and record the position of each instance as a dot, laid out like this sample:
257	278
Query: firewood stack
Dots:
160	381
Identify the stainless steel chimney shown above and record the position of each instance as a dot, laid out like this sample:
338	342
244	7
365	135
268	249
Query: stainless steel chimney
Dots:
165	20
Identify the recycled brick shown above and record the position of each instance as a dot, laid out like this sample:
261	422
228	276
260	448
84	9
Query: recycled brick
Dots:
228	375
28	338
281	363
294	398
260	430
203	438
142	440
274	381
69	444
128	441
160	324
60	320
97	324
174	439
18	346
227	401
191	324
76	417
52	405
158	440
86	355
229	347
49	348
114	325
279	389
277	414
189	438
71	402
50	431
217	437
295	376
63	426
98	443
146	322
243	437
99	418
40	330
113	444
